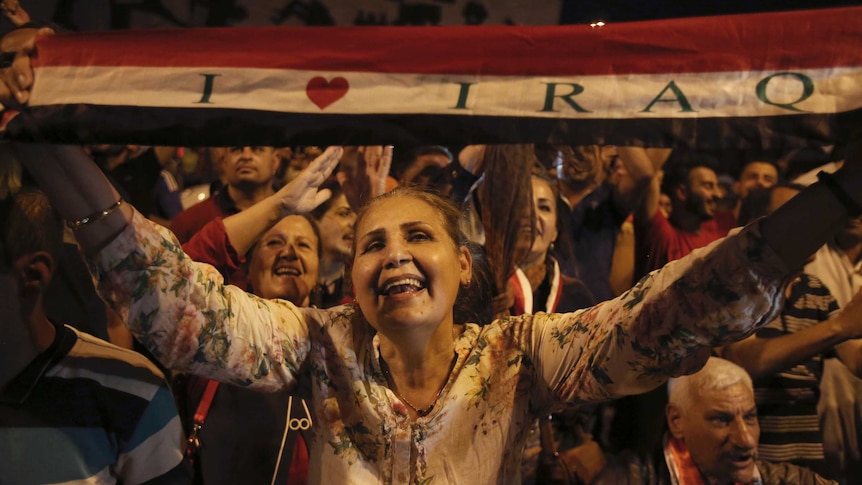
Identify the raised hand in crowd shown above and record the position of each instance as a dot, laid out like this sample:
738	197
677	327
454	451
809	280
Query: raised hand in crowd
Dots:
828	205
13	11
17	71
766	356
363	173
300	196
470	158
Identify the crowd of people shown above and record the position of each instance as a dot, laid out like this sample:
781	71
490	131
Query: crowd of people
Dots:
474	314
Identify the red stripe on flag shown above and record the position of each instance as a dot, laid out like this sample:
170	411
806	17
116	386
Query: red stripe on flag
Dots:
773	41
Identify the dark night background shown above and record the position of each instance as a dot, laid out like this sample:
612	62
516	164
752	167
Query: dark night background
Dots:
88	15
583	11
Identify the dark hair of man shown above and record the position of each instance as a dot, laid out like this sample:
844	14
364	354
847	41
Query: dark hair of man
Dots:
680	165
756	203
546	154
756	160
431	150
30	224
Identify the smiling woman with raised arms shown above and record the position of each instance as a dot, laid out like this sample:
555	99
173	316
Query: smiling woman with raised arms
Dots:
401	393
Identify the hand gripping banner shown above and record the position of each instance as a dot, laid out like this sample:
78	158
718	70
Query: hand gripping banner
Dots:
769	80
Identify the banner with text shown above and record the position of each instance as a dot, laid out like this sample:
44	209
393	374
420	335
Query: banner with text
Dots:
761	80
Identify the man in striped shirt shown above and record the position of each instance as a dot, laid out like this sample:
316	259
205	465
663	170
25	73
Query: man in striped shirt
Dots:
786	360
73	408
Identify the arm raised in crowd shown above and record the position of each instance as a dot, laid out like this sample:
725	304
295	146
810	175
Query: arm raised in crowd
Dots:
300	196
17	75
79	191
641	166
766	356
822	209
363	173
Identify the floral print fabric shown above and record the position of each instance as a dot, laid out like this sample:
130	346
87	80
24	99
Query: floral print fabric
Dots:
506	373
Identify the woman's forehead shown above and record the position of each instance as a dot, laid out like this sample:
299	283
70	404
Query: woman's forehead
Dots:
542	185
398	210
294	225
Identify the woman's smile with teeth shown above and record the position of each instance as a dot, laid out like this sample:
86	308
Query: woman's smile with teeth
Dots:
286	270
402	285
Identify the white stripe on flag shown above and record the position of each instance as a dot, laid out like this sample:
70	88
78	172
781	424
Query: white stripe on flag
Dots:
704	95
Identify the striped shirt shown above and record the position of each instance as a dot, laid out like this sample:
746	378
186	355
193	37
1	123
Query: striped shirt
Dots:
86	411
787	401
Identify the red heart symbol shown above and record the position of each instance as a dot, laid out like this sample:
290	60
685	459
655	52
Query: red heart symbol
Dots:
323	93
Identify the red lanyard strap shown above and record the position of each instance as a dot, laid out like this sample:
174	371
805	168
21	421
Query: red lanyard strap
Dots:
193	443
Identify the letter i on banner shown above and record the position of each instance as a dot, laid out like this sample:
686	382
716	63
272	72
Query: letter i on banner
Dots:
209	80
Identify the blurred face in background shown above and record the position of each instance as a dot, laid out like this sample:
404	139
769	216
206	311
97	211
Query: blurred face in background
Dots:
249	167
417	173
336	230
851	234
665	204
756	174
545	229
702	192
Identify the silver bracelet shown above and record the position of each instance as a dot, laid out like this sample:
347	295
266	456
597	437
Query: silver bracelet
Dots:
94	217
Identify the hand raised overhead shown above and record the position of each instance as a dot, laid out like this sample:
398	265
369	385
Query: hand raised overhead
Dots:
301	195
363	176
16	70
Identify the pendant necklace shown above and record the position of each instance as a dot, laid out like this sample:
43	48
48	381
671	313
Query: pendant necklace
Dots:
423	411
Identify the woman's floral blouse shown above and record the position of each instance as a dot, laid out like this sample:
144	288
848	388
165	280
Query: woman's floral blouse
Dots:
506	374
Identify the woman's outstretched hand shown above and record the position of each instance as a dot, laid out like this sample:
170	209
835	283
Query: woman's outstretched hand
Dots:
301	195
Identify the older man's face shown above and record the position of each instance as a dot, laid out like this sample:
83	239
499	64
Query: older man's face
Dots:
721	433
250	166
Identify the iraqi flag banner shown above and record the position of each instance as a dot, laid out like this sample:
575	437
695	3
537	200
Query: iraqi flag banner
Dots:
769	80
